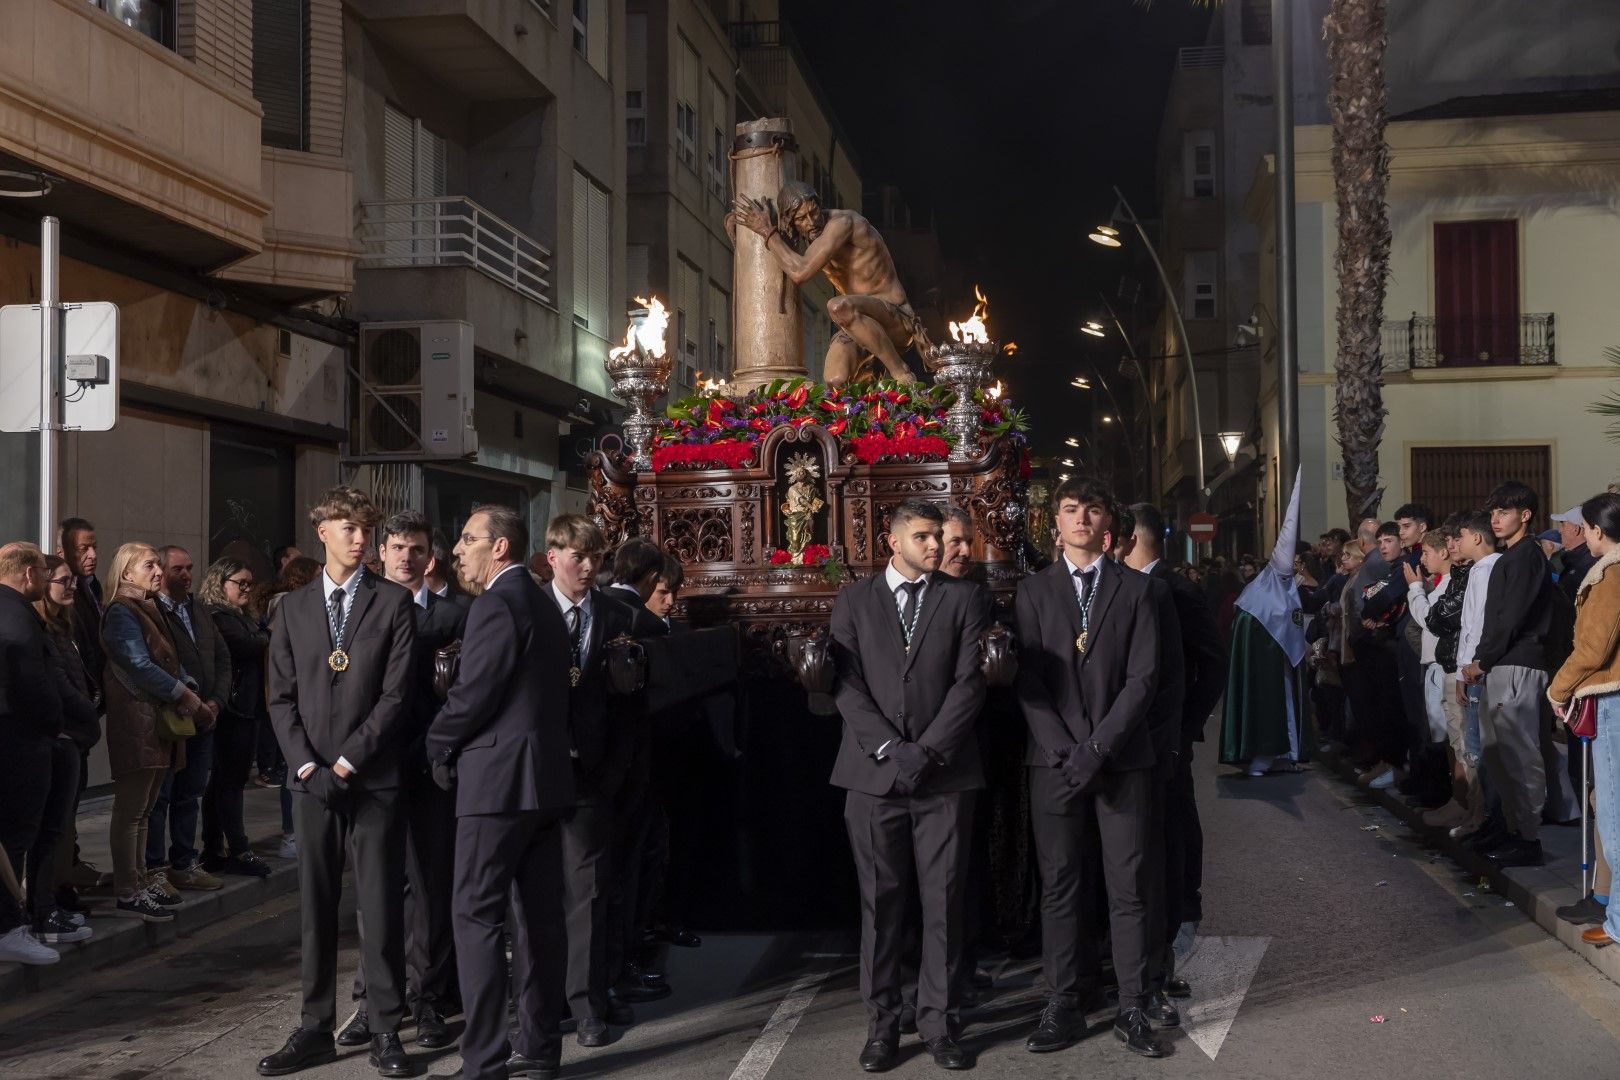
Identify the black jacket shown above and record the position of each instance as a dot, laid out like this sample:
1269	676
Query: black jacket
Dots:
1203	656
30	701
246	644
610	732
1164	715
1518	610
1445	619
203	651
443	621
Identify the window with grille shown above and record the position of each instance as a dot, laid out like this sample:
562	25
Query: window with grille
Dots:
1254	22
278	71
591	246
1198	164
1450	479
688	86
718	359
719	156
689	315
635	96
1200	285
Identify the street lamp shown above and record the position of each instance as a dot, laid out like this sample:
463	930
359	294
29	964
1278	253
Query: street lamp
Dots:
1230	441
1071	441
1079	382
1094	328
1067	463
1108	236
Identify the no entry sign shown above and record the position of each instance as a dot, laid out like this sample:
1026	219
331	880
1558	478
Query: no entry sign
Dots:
1201	527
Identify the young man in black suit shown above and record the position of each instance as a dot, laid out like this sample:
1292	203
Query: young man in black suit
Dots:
1088	669
340	674
608	747
504	733
910	688
406	551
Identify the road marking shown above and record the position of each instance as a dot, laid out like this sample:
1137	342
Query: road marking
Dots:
762	1055
1220	970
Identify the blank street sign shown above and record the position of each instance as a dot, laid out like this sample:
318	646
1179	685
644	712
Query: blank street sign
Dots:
89	329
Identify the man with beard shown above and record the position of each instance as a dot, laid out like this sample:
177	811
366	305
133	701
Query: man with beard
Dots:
873	315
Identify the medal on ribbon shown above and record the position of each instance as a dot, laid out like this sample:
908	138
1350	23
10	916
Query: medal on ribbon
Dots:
338	661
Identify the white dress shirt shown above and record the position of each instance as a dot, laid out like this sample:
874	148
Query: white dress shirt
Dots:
566	605
422	592
1148	569
1473	612
328	587
894	579
1094	569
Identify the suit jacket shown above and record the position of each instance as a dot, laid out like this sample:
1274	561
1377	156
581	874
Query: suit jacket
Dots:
1203	657
1102	695
87	615
204	652
645	623
506	720
610	733
30	699
1164	714
930	695
359	715
443	621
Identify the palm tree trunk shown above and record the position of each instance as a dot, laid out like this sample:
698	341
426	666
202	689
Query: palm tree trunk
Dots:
1357	32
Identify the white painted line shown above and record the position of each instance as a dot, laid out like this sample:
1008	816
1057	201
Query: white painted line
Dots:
1220	971
762	1055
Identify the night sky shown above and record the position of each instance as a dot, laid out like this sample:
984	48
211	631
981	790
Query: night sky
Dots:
1011	119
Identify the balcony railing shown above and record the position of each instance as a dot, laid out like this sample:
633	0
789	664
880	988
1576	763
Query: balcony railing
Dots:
1428	341
452	230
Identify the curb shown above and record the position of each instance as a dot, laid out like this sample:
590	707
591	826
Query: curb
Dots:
1533	889
117	939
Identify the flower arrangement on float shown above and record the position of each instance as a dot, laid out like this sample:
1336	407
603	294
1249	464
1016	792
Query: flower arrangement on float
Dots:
881	421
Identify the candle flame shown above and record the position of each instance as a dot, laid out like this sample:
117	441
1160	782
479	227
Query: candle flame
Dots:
974	331
647	333
994	393
1011	348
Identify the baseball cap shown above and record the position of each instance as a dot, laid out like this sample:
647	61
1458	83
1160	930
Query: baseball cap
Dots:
1552	536
1572	516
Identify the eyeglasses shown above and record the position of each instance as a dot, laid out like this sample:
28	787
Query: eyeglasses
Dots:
64	583
469	539
239	583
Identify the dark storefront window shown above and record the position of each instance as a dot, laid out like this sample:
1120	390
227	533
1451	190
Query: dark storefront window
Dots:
250	496
154	18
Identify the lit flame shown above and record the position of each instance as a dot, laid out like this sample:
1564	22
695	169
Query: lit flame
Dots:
648	333
994	393
1011	348
974	331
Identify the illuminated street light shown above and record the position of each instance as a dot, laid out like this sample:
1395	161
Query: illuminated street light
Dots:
1079	382
1106	235
1230	441
1062	476
1107	419
1071	441
1095	329
1069	462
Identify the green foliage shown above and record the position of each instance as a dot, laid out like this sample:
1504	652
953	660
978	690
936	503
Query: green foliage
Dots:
1609	405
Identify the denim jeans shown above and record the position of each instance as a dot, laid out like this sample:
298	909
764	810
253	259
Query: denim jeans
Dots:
177	807
1606	784
1473	743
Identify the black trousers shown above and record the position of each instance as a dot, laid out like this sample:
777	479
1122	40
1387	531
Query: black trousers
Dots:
639	846
1186	837
25	790
235	741
903	845
370	824
508	866
585	837
430	862
60	801
1376	701
1118	811
1163	872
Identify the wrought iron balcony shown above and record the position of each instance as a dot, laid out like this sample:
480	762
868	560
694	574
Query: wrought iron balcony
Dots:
452	230
1429	341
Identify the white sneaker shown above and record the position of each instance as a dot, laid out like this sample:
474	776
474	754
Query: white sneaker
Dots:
19	946
1385	779
289	847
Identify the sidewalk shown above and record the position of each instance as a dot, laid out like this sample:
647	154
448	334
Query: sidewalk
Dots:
119	938
1539	891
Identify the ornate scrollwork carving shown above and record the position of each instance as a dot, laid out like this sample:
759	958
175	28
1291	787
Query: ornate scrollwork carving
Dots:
697	534
698	493
998	504
749	553
860	529
614	493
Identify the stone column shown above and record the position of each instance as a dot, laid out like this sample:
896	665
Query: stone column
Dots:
766	336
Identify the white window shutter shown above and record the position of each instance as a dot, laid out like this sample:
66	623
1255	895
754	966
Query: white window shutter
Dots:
582	250
600	242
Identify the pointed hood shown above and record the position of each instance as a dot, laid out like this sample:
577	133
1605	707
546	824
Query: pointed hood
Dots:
1272	597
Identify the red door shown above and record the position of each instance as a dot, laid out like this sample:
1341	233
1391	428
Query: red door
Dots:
1476	292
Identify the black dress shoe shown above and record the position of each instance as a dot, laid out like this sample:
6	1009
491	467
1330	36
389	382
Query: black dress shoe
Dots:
388	1056
1584	912
640	986
1490	836
683	938
533	1068
619	1012
1057	1030
908	1019
357	1032
303	1050
948	1053
1517	852
432	1033
1131	1027
593	1032
878	1056
1160	1011
1177	988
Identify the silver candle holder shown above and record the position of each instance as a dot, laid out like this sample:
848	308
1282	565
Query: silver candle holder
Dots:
963	367
640	370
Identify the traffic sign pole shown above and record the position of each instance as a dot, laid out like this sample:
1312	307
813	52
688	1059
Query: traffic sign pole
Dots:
50	364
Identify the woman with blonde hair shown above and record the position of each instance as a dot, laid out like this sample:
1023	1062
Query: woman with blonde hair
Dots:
149	696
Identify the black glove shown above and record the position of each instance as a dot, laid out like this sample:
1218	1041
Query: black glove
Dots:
444	774
912	759
1082	766
903	785
327	786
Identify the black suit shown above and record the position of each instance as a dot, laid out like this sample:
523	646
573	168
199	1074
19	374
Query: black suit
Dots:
1096	702
1204	668
915	826
1164	722
505	727
361	716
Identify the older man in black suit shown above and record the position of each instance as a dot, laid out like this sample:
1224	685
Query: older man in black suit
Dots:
909	688
1088	670
504	730
340	671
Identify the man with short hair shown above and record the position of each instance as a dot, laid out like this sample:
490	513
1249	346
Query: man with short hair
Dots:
206	658
339	674
1379	605
1576	559
909	688
79	550
441	573
666	590
1088	667
405	549
281	556
636	566
958	558
30	723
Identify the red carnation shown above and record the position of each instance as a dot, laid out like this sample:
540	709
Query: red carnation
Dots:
780	557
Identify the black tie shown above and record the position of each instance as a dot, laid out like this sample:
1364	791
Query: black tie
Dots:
573	633
1086	577
908	610
337	617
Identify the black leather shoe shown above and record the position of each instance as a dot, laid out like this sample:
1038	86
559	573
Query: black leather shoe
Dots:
908	1019
592	1032
388	1056
878	1056
681	937
533	1068
1584	912
357	1032
1490	836
1131	1027
432	1033
1160	1012
1517	852
1057	1030
304	1049
641	986
618	1012
948	1053
1180	989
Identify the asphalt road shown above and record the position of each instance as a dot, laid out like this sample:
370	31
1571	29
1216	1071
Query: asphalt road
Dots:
1315	924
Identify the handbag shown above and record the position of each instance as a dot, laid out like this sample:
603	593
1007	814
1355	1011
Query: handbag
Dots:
172	726
1582	718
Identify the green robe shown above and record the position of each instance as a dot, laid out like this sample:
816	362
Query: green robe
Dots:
1254	722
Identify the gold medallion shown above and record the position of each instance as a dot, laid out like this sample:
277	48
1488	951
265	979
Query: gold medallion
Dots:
338	661
574	675
1080	642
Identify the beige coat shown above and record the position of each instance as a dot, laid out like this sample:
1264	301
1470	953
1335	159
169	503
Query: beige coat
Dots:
1594	666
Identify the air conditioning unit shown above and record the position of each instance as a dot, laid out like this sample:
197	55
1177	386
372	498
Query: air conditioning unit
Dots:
417	394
